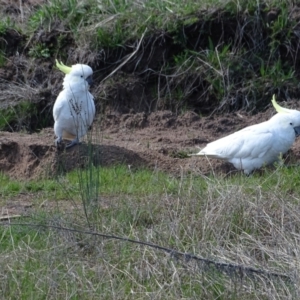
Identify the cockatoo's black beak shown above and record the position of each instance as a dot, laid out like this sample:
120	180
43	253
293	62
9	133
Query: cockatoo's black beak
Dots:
297	130
90	80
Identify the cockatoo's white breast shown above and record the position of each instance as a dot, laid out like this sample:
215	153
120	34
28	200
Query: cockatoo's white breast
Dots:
74	112
74	108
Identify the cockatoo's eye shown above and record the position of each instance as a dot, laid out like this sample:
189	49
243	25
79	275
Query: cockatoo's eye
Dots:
291	124
81	76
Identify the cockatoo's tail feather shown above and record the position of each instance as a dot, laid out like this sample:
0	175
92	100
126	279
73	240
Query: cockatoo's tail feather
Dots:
278	108
63	67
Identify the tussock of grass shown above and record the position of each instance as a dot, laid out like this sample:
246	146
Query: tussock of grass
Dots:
20	105
249	221
16	117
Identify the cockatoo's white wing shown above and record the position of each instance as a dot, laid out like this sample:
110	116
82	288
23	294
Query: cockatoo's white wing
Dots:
58	108
246	149
253	141
64	122
91	109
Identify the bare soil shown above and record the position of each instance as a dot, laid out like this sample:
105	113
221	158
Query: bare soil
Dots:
159	141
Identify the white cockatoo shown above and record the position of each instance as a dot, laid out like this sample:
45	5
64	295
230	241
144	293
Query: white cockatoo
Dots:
74	108
260	144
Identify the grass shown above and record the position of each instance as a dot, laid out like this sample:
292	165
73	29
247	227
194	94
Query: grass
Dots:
112	181
250	221
238	220
235	63
18	116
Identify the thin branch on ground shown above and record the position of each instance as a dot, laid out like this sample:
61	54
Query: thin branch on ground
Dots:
228	268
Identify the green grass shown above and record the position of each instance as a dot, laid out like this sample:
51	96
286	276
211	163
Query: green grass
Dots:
9	187
112	181
140	182
244	220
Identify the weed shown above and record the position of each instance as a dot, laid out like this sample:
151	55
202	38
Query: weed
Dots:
5	24
70	12
39	50
17	117
179	154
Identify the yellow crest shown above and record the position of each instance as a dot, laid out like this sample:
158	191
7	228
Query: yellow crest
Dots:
62	67
278	108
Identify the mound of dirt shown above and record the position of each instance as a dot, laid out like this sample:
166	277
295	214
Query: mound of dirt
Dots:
159	141
25	156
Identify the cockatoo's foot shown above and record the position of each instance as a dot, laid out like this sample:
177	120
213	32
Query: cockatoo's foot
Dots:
58	142
73	143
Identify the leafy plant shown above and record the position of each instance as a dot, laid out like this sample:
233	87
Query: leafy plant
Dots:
5	24
39	50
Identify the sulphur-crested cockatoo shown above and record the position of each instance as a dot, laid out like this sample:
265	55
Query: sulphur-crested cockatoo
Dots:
260	144
74	108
